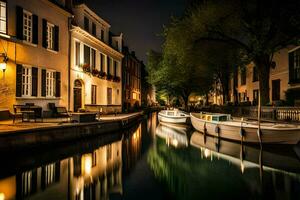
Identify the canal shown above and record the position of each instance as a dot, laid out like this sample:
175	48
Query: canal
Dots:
151	161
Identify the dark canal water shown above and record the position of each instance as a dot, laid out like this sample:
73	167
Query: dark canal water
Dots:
151	161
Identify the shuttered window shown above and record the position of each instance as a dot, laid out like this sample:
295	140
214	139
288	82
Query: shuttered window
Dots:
87	55
50	83
27	26
3	17
102	62
26	81
77	53
93	58
50	36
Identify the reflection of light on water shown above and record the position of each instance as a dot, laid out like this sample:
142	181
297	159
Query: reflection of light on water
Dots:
175	142
87	164
206	153
242	167
2	196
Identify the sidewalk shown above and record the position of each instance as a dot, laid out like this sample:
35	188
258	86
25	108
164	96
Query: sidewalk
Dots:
9	126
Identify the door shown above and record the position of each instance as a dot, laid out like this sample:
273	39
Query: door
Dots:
109	96
77	95
276	90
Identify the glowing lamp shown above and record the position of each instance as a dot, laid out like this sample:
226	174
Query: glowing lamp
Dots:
2	196
3	66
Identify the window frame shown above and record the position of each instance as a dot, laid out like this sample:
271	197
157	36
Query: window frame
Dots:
27	30
26	81
50	36
4	18
50	88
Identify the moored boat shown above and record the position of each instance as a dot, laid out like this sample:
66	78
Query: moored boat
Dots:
173	116
221	125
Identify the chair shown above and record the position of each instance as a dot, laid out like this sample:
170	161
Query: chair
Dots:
62	112
16	113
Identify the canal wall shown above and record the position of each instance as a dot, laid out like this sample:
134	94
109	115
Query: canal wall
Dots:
47	136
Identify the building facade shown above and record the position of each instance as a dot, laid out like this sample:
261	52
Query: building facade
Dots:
34	53
96	59
284	80
131	80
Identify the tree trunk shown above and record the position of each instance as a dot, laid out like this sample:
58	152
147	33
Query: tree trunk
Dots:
263	66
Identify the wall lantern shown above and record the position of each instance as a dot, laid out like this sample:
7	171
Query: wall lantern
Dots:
3	63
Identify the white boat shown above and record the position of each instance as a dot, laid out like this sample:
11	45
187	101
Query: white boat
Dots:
221	125
175	135
173	116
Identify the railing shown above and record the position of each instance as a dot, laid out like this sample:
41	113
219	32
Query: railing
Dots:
267	113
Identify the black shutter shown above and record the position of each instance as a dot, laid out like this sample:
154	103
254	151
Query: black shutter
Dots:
56	38
34	81
57	94
44	24
108	65
19	22
291	67
35	29
19	80
43	83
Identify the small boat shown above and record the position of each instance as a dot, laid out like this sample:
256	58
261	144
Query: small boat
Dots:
221	125
173	116
175	135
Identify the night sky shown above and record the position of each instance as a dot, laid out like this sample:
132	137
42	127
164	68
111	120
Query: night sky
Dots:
141	21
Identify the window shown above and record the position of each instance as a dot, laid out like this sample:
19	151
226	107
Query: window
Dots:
94	94
102	35
109	96
86	24
276	90
3	17
294	66
243	76
93	58
26	81
255	74
93	29
102	62
77	53
108	152
27	24
255	97
87	55
115	67
50	83
50	38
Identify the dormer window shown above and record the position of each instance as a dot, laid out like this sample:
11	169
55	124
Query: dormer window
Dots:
86	24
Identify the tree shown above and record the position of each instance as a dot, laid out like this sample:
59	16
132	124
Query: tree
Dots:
257	28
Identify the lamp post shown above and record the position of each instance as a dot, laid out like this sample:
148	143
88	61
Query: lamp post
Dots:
3	65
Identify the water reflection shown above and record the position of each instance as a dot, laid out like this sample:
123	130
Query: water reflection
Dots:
88	174
174	135
215	169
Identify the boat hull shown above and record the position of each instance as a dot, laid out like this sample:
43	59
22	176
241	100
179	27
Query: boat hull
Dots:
249	133
175	120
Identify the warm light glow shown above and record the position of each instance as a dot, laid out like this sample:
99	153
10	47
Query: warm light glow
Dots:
175	142
2	196
242	167
3	66
206	153
87	164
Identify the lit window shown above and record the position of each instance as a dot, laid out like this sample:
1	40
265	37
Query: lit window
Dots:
50	84
77	53
50	38
26	81
27	23
3	17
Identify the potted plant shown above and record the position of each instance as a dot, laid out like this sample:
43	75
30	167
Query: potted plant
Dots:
102	74
95	72
109	77
86	67
116	79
